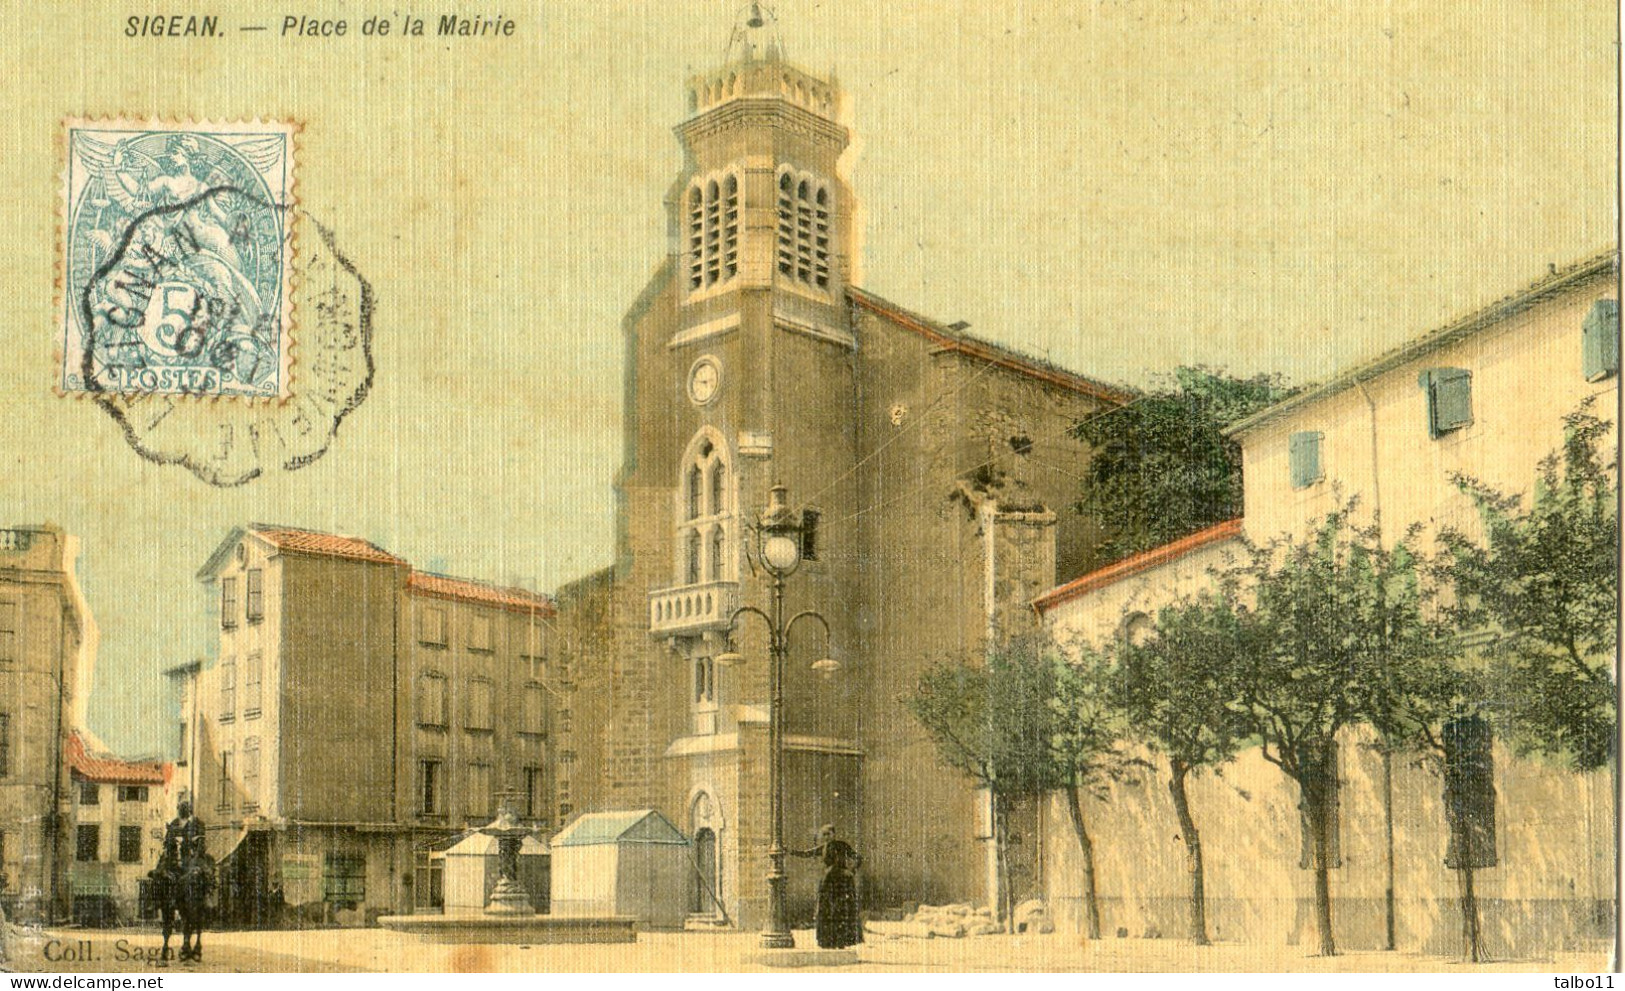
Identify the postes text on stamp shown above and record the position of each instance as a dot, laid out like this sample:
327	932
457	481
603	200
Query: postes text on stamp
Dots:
177	259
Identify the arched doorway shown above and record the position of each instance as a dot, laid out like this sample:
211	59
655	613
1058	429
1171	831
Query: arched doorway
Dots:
703	893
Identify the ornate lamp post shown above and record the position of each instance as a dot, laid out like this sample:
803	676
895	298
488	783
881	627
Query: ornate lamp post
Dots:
778	548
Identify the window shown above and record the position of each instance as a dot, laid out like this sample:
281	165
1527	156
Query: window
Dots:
1599	342
5	745
705	686
429	794
431	699
533	720
228	690
132	793
1334	816
691	571
432	626
479	633
90	793
713	231
479	706
256	595
1303	455
714	564
702	549
251	772
535	793
8	632
1449	399
88	844
228	603
479	792
181	740
129	844
225	779
804	229
252	679
344	879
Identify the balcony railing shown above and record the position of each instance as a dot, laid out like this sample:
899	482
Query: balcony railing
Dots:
692	608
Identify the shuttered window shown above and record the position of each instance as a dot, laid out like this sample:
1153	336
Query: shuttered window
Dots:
1449	394
1600	340
1304	455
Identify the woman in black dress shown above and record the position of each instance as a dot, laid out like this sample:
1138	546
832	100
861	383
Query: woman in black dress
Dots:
837	918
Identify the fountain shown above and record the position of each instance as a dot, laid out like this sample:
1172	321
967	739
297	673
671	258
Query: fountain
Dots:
508	916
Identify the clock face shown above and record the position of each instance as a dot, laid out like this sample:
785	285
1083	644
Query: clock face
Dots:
703	380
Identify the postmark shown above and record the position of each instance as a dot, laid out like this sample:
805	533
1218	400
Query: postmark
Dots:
180	310
178	259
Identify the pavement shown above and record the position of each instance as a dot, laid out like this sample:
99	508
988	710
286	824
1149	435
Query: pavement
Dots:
351	950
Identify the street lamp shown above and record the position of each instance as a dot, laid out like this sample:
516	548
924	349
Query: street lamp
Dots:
778	548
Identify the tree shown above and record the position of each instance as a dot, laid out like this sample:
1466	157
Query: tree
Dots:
1084	749
1178	689
1161	466
1544	583
998	723
1336	615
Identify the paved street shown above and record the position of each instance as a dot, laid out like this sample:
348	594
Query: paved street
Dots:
381	950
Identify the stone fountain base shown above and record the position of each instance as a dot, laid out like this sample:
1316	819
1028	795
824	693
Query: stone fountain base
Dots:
520	930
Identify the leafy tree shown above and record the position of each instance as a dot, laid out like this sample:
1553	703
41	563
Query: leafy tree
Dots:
998	723
1162	467
1084	749
1544	582
1178	689
1337	615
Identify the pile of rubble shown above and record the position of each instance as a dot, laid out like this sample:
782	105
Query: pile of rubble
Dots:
958	921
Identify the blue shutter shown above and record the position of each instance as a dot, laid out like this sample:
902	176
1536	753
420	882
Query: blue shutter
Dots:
1303	451
1450	399
1600	341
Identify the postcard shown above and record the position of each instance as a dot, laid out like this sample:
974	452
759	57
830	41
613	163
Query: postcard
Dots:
1096	486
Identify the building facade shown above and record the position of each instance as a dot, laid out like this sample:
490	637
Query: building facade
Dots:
935	472
47	639
1485	397
120	808
358	714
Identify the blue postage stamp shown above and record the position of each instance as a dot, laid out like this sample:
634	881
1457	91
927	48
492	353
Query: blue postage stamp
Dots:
177	258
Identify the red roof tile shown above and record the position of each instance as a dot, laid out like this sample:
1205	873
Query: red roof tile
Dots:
950	340
463	590
110	770
328	544
1136	563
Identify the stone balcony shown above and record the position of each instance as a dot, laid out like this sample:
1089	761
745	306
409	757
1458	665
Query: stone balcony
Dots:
687	610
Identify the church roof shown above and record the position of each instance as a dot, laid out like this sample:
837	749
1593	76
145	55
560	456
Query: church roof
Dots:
1136	563
951	339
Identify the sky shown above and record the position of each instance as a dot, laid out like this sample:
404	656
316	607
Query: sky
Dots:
1121	187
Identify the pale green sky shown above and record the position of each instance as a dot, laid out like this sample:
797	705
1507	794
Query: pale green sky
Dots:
1120	186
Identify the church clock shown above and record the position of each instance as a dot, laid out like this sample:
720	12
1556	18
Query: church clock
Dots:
703	380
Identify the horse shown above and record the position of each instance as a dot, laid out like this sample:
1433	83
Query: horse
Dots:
182	888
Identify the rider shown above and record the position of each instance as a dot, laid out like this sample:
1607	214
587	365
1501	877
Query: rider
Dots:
183	838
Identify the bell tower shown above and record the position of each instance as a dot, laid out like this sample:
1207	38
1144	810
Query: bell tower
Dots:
760	204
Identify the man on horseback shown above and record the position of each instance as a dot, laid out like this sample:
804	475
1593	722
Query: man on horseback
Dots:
182	881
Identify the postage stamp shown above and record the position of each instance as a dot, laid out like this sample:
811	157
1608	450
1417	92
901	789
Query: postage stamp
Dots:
177	259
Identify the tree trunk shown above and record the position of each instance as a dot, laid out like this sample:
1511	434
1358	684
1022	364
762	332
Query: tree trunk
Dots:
1316	805
1469	916
1193	851
1003	908
1091	905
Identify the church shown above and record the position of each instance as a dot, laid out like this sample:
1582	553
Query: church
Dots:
933	475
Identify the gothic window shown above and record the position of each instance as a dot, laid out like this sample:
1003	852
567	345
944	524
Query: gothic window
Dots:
705	689
712	214
804	229
703	514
